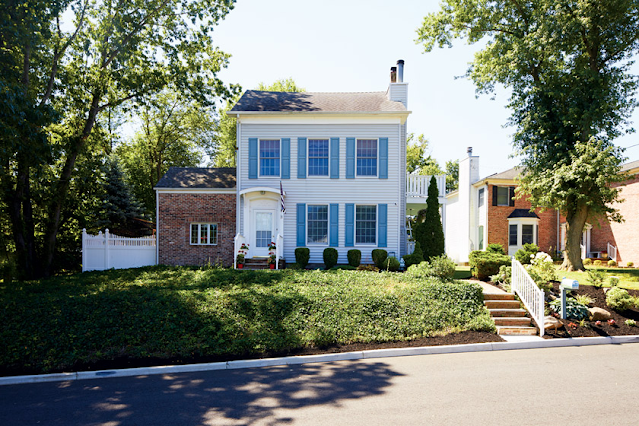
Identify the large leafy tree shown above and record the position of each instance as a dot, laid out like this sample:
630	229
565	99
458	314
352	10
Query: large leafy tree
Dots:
115	51
567	64
418	159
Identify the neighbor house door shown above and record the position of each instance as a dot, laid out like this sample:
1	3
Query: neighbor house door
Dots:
263	234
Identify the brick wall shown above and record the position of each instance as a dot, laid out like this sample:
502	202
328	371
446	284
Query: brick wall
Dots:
498	223
175	215
624	235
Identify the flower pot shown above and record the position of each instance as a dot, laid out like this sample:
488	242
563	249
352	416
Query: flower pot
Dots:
240	265
272	265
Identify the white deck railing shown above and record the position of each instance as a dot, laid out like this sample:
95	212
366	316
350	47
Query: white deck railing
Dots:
106	251
612	252
531	296
237	243
417	185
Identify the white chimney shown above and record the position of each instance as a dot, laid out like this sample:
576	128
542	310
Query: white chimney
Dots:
400	71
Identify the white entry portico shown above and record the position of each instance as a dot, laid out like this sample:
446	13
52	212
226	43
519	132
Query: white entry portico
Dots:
262	219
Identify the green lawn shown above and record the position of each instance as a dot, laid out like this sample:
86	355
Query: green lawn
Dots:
628	277
172	312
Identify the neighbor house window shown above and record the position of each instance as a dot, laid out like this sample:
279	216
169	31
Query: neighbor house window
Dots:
269	157
365	224
527	234
317	224
318	157
366	157
512	235
480	201
203	234
481	237
503	195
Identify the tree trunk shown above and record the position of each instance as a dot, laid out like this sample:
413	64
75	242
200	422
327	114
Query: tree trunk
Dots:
575	223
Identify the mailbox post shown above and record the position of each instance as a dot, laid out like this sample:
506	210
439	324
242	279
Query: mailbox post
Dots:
566	285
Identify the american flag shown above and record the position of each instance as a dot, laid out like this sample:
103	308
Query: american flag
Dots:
282	198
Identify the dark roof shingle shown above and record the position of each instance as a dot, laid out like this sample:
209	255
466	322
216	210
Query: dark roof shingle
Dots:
197	177
522	213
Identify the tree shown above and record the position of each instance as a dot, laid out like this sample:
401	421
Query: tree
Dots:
119	205
416	159
567	64
117	51
225	138
452	175
428	229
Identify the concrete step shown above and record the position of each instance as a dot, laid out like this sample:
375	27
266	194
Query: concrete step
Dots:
499	312
513	321
502	304
499	296
516	330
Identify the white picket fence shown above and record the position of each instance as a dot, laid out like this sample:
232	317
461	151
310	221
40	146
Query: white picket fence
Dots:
531	296
106	251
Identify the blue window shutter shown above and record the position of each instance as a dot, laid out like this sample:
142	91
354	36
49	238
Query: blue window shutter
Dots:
301	224
286	158
252	158
382	224
350	158
349	229
383	158
334	158
334	232
301	158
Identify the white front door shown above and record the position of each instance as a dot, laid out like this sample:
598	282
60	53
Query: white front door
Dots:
263	232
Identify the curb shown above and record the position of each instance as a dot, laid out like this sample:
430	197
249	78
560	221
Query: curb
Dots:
306	359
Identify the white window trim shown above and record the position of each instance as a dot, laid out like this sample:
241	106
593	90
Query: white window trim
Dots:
373	244
259	158
520	221
199	227
376	175
328	226
308	158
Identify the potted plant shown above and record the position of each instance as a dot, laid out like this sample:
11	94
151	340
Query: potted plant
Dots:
271	261
240	260
271	254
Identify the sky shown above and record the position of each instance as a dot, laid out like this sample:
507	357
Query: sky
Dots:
350	45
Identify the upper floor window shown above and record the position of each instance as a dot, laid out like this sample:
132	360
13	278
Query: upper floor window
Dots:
203	234
318	157
502	196
480	201
269	157
317	224
365	224
366	157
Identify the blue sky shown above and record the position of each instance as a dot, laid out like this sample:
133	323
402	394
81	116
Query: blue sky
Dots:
350	45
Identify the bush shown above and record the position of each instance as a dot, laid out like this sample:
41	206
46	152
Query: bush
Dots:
612	263
302	256
295	266
391	264
542	270
584	299
330	256
614	281
618	299
525	254
483	264
416	257
587	261
371	268
442	267
597	263
596	278
574	309
495	248
630	264
379	256
503	276
354	257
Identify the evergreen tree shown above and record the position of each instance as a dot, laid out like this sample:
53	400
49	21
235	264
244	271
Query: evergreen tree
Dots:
429	231
120	206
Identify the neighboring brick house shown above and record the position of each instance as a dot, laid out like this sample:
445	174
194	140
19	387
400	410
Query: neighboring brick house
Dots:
196	210
493	215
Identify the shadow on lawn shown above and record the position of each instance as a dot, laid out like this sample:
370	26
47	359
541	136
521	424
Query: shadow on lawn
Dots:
218	397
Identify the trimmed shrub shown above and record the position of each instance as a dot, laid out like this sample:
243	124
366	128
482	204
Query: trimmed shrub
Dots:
416	257
302	256
614	281
597	263
295	266
483	264
371	268
330	257
612	263
525	254
630	264
587	261
354	257
379	256
495	248
391	264
618	299
442	267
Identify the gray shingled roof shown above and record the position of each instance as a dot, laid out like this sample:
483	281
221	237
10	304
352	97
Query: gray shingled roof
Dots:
630	166
196	177
508	174
522	213
263	101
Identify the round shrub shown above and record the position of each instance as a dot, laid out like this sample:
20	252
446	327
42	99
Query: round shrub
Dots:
379	256
587	261
391	264
442	267
618	299
630	264
597	263
525	253
354	257
330	257
302	256
495	248
612	263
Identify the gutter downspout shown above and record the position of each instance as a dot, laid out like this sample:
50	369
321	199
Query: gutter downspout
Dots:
157	227
238	174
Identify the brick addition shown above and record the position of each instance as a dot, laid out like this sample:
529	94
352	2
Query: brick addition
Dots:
177	211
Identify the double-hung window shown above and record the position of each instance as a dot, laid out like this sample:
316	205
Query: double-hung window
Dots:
269	157
317	224
366	157
480	201
318	157
204	234
365	224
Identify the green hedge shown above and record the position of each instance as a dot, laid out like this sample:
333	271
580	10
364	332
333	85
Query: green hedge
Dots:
483	264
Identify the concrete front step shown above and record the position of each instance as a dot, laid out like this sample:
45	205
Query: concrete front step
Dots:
499	296
513	321
502	304
507	312
515	330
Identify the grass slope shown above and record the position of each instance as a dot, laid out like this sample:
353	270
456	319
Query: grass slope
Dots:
628	277
169	312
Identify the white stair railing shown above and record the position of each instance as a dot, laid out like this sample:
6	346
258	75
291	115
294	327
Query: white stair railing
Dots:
237	243
279	249
583	251
531	296
612	252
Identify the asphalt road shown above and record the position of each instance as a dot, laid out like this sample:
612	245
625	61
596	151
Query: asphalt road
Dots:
590	385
